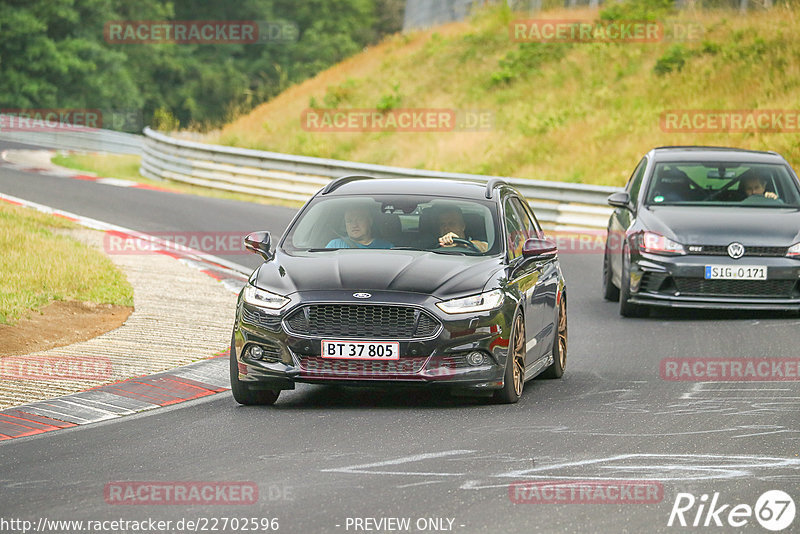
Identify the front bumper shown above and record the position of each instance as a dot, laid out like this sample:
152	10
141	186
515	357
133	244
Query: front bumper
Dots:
679	282
435	361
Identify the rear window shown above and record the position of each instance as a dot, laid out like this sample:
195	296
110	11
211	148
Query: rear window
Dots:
723	184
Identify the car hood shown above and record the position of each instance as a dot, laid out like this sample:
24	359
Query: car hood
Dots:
774	227
365	270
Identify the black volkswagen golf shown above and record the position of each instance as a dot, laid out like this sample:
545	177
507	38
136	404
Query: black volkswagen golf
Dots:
705	227
403	282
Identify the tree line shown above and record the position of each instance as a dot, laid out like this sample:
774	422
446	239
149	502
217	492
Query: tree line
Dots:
56	54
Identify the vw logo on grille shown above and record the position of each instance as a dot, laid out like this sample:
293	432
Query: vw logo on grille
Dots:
735	250
362	295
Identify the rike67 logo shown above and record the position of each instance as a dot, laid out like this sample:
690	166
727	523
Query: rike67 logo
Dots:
774	510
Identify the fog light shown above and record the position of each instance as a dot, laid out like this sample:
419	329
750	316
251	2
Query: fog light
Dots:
256	352
476	358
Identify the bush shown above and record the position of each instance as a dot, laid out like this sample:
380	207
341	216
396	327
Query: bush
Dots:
165	121
527	58
673	59
390	101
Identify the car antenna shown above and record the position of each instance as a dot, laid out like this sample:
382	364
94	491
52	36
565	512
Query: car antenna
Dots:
494	182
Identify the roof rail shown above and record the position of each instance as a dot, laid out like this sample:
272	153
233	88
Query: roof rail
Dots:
707	147
494	182
721	148
335	184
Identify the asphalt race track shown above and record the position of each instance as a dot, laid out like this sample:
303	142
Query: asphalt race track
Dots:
326	459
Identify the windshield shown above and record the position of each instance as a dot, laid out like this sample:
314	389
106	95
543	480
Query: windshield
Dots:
723	184
393	222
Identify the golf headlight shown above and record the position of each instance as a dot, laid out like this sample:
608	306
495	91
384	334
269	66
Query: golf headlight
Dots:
474	303
794	251
264	299
658	244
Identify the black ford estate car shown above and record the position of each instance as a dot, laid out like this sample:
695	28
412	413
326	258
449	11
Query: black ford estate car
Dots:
403	282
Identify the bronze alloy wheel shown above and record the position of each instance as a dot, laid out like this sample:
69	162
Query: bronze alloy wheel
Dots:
519	355
562	333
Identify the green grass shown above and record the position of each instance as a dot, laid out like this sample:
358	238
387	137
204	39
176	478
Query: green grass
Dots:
123	166
38	266
126	167
579	112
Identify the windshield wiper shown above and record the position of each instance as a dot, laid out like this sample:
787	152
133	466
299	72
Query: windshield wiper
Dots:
435	251
454	252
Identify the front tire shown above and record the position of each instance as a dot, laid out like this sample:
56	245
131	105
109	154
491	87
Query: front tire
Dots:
556	369
626	308
244	395
610	291
514	378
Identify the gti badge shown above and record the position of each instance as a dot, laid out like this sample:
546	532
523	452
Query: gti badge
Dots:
735	250
362	295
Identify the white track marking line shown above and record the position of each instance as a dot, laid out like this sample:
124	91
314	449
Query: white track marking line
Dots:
117	182
753	462
425	483
363	468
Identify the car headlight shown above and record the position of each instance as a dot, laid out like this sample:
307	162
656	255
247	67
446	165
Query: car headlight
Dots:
474	303
794	251
263	298
658	244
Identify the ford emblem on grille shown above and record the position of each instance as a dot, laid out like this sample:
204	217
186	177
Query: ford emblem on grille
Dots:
735	250
362	295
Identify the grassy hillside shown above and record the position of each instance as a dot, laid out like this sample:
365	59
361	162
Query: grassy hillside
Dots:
579	112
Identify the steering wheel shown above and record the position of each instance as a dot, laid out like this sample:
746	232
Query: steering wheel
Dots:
466	242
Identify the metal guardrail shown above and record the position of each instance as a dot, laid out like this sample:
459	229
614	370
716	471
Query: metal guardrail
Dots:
297	178
89	140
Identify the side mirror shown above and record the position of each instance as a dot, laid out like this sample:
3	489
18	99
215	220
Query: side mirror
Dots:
259	242
620	200
539	248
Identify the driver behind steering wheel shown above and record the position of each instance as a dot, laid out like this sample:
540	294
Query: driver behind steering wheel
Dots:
756	184
452	226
